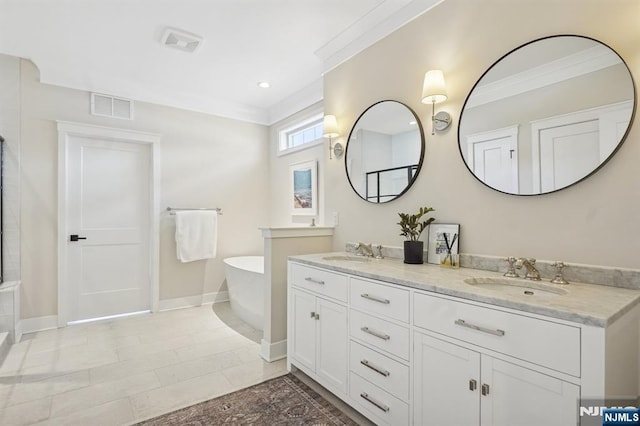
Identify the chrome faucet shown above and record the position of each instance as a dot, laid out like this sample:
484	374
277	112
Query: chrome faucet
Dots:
511	272
559	278
363	249
532	273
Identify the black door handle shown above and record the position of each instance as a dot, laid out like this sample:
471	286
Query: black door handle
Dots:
75	237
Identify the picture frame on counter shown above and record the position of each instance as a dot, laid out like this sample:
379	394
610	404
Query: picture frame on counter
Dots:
443	240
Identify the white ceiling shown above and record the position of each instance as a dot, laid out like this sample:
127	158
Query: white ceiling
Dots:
113	47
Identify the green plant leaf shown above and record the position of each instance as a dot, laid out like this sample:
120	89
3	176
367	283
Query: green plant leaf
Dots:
410	223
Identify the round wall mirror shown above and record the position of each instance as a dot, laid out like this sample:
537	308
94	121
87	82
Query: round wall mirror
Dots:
384	152
546	115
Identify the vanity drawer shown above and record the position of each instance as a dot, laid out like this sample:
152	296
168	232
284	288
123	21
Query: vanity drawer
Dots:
380	299
379	403
546	343
319	281
380	333
380	370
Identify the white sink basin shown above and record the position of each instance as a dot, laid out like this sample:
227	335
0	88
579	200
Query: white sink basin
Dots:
347	258
515	287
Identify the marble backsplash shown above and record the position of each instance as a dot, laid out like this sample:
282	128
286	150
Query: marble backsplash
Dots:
573	272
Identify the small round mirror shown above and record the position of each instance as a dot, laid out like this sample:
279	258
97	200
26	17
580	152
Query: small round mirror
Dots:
384	151
546	115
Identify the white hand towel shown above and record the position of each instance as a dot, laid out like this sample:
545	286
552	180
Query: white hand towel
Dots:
196	234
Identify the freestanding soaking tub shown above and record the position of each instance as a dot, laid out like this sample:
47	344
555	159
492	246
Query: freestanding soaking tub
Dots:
245	280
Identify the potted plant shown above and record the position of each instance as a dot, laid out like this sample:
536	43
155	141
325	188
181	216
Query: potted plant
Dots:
412	227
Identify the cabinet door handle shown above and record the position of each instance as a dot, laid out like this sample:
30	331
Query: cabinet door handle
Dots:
313	280
376	403
317	316
485	389
313	315
376	333
375	298
378	370
473	385
463	323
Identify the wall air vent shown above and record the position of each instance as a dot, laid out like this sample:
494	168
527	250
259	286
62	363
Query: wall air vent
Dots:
110	106
181	40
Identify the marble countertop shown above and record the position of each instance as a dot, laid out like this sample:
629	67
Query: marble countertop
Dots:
596	305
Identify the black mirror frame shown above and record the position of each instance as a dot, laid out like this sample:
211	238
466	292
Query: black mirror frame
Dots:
622	140
422	150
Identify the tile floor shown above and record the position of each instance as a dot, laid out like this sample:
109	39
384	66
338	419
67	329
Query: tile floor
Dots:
125	370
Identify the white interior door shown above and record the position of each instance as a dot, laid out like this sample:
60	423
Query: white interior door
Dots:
494	156
568	147
108	209
568	153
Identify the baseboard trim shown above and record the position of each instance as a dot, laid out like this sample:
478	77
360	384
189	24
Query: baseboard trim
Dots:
221	296
273	351
31	325
191	301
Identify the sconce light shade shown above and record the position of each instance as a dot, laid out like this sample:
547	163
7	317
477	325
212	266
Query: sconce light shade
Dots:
434	89
330	126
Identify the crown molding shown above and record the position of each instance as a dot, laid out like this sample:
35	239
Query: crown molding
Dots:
571	66
381	21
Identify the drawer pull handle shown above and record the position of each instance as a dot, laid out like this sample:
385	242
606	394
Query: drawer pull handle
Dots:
485	389
375	298
473	384
463	323
375	333
378	370
313	280
376	403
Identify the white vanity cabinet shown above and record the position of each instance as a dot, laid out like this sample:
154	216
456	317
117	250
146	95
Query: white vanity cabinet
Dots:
318	326
403	355
459	386
380	351
485	359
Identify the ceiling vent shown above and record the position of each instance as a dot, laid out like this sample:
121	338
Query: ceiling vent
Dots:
110	106
181	40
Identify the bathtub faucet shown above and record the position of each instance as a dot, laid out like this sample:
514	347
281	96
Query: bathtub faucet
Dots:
363	249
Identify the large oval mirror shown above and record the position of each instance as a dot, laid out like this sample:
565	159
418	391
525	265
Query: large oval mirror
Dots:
546	115
385	150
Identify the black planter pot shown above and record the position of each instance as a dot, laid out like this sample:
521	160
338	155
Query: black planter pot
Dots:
413	252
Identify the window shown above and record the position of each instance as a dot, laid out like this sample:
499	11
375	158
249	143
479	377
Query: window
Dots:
301	135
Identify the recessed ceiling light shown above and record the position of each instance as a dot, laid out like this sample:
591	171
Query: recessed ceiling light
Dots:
413	123
264	84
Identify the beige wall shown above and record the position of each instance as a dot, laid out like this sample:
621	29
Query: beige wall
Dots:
205	161
594	222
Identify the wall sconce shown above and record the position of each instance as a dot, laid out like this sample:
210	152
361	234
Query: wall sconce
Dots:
434	91
330	130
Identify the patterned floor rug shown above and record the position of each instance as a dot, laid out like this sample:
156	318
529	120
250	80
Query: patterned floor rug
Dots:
284	400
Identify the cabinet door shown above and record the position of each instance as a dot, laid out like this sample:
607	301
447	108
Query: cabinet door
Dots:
446	383
519	396
303	312
332	357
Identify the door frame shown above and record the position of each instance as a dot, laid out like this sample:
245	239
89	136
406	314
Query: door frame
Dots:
67	129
